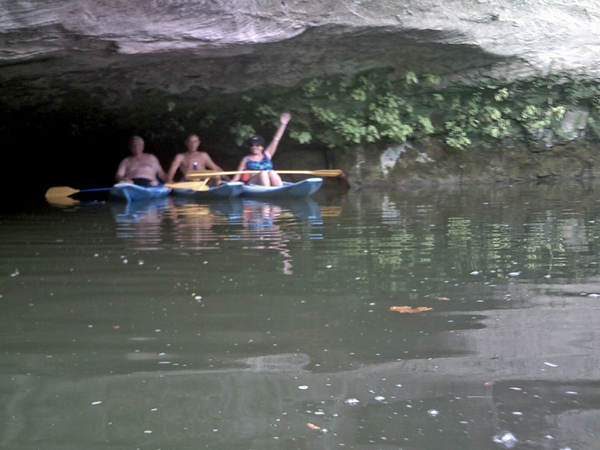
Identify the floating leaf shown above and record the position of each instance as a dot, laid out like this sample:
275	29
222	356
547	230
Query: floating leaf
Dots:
313	426
408	309
516	388
443	298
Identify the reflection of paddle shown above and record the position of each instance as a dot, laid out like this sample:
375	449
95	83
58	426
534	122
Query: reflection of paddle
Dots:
199	185
66	191
318	173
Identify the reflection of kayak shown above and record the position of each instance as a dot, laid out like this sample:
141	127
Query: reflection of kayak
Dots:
300	189
223	191
134	212
304	209
132	192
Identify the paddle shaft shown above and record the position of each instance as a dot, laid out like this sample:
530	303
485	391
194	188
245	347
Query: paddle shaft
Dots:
318	173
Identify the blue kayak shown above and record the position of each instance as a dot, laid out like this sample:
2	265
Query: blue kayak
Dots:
132	192
223	191
300	189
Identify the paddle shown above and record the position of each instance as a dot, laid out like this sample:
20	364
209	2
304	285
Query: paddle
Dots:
66	191
319	173
194	185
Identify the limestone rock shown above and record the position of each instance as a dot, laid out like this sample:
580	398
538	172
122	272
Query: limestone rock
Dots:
178	45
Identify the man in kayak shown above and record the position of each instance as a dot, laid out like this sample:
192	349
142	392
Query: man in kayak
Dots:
140	168
192	159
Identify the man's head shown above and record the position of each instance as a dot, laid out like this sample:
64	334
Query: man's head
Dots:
136	145
192	142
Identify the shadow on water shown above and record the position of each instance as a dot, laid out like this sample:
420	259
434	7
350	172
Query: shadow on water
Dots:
247	324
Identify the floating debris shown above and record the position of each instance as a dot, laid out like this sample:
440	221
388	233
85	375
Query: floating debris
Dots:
409	310
443	298
352	401
313	426
96	403
489	383
549	364
507	439
303	388
433	412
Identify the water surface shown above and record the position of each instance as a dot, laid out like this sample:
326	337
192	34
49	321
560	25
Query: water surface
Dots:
254	325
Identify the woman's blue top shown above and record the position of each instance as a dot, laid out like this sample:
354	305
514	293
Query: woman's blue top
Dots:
263	164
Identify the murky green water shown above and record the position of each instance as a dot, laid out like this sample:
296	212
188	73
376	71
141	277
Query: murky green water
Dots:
248	325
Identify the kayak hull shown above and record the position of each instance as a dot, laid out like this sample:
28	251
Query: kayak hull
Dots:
222	192
132	192
301	189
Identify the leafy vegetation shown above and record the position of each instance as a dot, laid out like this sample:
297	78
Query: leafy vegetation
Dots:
372	108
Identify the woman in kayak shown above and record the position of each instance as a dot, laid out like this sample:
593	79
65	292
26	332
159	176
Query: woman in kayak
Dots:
260	158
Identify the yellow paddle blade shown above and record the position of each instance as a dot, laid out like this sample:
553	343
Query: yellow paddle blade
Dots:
194	185
196	174
60	191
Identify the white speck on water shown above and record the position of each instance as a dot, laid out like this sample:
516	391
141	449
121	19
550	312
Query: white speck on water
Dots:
571	393
380	398
433	412
507	439
329	266
517	413
594	295
549	437
124	261
198	297
398	385
157	331
351	401
549	364
96	403
475	273
548	276
164	362
96	255
154	409
147	431
205	262
303	388
514	274
15	273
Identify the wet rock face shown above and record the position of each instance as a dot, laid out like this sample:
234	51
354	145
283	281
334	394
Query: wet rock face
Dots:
49	46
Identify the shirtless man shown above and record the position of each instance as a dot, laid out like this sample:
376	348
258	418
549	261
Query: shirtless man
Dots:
192	159
140	168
